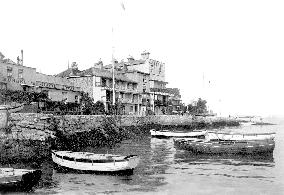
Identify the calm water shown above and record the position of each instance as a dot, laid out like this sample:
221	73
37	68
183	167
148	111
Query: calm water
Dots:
164	169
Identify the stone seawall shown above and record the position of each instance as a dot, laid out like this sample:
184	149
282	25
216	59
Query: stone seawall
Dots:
32	135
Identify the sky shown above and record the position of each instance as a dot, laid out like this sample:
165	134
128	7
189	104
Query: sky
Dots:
227	52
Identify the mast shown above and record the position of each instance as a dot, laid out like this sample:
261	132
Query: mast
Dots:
113	79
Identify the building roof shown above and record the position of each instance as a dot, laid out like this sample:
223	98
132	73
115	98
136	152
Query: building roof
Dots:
135	62
116	65
105	74
1	55
69	72
9	61
136	71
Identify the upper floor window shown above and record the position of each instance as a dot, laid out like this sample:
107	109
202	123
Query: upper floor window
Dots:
20	73
103	82
9	71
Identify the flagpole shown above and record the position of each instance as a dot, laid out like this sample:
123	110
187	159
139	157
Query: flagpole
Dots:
113	79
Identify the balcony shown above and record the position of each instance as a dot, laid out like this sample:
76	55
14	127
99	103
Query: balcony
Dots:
161	103
120	89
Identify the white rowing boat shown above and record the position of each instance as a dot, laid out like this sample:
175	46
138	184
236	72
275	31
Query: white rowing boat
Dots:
168	134
86	161
239	136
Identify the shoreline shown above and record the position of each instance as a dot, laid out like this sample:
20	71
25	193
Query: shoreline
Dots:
32	136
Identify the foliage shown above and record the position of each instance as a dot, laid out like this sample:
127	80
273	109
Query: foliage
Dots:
88	106
198	108
99	108
26	97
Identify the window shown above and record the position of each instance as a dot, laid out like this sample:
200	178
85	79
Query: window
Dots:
20	73
9	71
103	82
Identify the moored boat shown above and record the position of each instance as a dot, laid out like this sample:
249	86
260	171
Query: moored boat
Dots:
227	147
211	135
95	163
18	179
168	134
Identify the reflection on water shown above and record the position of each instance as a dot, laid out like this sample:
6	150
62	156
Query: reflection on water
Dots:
166	169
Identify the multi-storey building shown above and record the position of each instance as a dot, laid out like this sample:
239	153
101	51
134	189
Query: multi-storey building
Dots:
97	82
140	85
143	88
159	94
16	76
150	75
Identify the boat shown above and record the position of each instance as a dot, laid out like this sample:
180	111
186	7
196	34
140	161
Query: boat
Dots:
168	134
227	147
212	135
18	179
87	162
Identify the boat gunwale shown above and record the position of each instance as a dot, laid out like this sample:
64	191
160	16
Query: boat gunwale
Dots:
86	160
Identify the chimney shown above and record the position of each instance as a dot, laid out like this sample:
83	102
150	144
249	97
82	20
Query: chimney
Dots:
74	65
99	64
22	52
130	58
145	55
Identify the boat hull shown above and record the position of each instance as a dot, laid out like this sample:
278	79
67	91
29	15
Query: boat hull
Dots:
169	134
227	147
18	183
125	165
240	137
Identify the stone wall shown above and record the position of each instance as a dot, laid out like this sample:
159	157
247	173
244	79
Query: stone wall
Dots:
40	126
30	136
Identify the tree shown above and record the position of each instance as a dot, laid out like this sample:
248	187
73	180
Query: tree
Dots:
198	108
201	106
99	108
86	103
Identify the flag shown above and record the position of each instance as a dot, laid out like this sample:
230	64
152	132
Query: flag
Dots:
122	5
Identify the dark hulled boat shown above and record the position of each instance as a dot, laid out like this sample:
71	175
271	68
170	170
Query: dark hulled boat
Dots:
227	147
15	180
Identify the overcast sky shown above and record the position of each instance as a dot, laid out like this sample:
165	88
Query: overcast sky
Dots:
236	45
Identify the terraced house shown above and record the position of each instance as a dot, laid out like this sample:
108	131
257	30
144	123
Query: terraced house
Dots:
16	76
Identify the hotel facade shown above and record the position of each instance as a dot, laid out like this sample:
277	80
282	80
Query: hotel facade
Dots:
140	85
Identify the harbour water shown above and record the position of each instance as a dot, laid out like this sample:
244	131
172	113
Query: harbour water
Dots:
165	169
